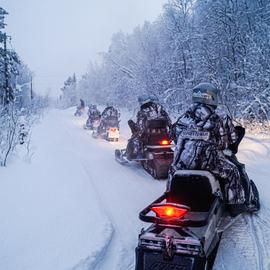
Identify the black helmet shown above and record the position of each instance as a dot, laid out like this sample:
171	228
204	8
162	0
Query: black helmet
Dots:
205	93
144	99
92	107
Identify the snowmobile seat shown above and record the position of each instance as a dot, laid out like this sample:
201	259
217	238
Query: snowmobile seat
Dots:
193	190
111	121
154	124
155	131
156	138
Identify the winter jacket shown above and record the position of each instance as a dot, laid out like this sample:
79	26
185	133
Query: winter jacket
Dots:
150	111
93	113
201	136
109	112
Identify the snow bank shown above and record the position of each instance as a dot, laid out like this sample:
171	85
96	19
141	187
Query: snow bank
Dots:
50	217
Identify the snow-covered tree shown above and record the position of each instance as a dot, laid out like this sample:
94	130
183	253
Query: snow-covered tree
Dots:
18	106
8	65
69	92
223	42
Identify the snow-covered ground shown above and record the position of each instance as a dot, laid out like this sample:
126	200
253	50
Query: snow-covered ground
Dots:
74	208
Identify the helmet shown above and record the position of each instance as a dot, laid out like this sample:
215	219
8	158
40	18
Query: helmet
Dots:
205	93
109	104
144	99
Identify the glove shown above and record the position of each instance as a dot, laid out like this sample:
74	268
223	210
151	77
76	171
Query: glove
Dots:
131	122
132	126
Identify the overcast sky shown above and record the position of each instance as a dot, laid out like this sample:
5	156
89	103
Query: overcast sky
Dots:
58	37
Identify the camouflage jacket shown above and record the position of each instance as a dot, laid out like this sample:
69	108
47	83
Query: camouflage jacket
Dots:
93	113
109	112
201	136
153	111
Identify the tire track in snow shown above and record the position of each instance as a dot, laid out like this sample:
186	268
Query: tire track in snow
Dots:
246	245
93	260
260	225
256	243
122	261
120	251
99	262
117	251
236	248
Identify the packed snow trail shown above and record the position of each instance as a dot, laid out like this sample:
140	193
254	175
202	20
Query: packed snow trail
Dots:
123	192
246	245
75	208
48	206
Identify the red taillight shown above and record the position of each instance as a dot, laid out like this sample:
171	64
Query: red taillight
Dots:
164	142
169	211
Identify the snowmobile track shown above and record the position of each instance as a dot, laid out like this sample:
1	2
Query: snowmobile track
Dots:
260	224
256	243
93	260
99	262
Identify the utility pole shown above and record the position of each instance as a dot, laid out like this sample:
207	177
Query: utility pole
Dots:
31	88
6	84
8	95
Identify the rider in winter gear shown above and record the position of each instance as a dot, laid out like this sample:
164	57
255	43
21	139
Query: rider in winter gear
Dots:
149	109
202	136
80	108
93	113
82	104
109	113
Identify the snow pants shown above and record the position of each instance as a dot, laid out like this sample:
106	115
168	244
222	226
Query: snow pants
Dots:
229	173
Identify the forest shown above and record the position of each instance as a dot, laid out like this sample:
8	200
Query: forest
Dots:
226	42
20	107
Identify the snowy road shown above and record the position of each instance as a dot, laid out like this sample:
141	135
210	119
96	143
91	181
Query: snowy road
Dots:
75	208
122	193
247	244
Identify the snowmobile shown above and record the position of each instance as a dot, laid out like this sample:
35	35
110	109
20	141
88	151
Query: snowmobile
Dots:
188	221
187	224
92	123
157	153
108	129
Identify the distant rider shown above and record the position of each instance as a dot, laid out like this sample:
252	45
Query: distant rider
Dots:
80	108
82	104
93	113
149	109
202	136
